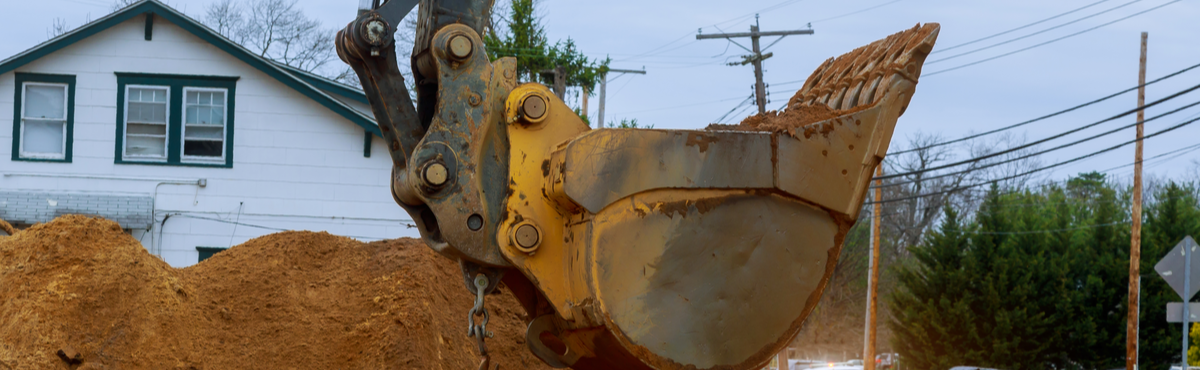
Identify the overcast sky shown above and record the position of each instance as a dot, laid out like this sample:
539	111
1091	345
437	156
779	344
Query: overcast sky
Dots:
689	86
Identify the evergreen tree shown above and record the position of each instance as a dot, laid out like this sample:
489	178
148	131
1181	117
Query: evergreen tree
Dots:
1172	213
932	315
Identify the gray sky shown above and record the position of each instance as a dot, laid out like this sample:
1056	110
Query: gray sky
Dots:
688	86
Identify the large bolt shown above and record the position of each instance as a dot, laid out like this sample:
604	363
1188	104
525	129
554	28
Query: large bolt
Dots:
460	46
527	238
534	107
435	174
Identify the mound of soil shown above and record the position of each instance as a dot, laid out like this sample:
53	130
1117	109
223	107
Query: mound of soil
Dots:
293	300
780	121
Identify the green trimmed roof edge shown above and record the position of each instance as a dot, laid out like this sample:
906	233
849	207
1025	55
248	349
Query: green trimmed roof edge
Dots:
302	82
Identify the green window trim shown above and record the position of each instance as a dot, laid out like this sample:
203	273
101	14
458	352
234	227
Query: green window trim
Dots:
21	79
176	85
207	252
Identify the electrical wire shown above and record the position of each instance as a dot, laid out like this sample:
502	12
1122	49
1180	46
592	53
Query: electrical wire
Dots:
857	11
1051	115
268	227
1076	159
1031	35
1014	149
1018	28
1049	42
739	105
1027	156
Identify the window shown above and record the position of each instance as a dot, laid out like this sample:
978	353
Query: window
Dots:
146	122
204	124
207	252
43	117
175	120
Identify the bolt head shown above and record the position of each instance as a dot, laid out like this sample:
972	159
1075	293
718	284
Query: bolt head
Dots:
460	46
527	237
436	174
534	107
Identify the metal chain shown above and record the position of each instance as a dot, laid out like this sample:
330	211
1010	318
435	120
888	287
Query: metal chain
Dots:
480	331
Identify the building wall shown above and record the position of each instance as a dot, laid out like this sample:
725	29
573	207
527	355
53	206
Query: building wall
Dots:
296	165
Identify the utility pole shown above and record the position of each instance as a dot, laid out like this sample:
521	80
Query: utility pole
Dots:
756	57
1135	245
873	280
560	80
604	86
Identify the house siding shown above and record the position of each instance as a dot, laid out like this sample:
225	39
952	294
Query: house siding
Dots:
297	165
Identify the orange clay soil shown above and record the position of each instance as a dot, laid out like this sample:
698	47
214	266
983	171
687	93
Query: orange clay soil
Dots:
293	300
779	121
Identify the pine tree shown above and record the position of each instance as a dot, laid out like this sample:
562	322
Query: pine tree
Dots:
1172	213
932	316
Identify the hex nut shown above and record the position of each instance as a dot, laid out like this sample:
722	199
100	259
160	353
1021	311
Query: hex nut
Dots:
534	107
527	238
435	174
460	46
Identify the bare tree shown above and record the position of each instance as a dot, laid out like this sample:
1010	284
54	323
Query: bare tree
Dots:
275	29
57	27
121	4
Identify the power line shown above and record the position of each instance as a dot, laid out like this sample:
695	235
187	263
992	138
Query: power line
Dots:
739	105
858	11
682	106
1176	153
1032	34
1031	155
1119	93
1076	159
1018	28
1010	150
1046	231
1049	42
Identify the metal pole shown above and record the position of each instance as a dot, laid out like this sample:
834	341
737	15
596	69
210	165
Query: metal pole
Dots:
603	88
873	280
1187	278
1135	245
760	92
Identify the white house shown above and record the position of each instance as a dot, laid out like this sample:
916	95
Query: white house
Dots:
191	142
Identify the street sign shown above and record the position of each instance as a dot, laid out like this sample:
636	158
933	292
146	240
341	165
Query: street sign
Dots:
1179	271
1175	311
1171	269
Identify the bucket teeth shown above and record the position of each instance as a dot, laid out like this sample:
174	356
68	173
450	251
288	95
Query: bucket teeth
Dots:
863	76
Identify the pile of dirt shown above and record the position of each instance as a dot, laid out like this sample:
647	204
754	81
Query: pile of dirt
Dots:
780	121
293	300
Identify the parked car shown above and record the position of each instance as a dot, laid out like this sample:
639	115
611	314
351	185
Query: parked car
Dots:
887	361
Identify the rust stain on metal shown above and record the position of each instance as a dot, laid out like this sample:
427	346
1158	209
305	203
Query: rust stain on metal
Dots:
682	207
701	140
546	168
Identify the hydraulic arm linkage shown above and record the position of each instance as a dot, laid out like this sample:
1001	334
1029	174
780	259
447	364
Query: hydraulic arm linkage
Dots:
629	249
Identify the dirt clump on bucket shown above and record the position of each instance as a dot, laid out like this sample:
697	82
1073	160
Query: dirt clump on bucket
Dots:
780	121
293	300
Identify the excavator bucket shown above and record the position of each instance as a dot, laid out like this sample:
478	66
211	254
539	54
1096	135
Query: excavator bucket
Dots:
706	249
630	249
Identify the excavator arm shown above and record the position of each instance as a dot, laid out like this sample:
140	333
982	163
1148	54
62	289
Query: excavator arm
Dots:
630	249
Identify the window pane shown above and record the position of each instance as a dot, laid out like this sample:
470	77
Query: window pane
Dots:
147	112
45	102
43	136
148	95
146	146
202	148
218	116
135	128
193	97
197	132
218	99
190	116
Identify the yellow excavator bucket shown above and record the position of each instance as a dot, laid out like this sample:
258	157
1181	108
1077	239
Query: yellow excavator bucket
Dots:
707	249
